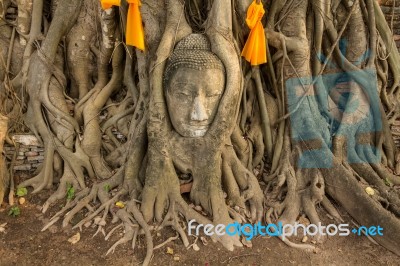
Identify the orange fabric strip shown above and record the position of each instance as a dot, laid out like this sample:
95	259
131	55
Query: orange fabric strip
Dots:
255	50
134	26
106	4
134	33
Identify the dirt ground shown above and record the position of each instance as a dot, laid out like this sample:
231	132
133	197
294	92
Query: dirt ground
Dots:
23	243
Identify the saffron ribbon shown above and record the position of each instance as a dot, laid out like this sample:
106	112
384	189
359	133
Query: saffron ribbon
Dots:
255	49
134	33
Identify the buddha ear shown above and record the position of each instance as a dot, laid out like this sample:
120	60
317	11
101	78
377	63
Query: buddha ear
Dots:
219	31
175	30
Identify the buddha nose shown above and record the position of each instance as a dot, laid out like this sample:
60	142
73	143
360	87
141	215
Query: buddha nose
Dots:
199	112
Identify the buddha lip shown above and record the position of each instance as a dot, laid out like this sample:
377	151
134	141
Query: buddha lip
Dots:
199	126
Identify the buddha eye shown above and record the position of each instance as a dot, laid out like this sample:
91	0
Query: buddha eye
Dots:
213	95
182	95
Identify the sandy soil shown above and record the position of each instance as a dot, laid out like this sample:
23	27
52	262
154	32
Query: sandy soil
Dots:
23	243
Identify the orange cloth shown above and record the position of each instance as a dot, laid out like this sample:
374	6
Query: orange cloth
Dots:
134	26
255	50
106	4
134	33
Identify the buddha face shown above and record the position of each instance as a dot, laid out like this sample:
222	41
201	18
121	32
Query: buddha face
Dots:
192	99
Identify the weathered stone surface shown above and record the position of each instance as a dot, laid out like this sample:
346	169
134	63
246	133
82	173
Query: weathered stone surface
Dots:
31	153
389	2
23	167
36	165
36	158
37	149
26	140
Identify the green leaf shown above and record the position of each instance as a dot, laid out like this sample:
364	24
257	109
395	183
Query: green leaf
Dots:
70	192
388	183
107	188
14	211
22	191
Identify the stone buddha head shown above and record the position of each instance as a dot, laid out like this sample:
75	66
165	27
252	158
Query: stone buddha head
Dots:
194	81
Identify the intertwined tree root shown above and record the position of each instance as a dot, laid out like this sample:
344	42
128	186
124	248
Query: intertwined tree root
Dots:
79	55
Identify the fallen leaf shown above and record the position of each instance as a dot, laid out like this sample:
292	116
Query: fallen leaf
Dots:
75	238
170	251
176	258
195	247
3	227
97	219
370	191
304	240
87	224
247	243
204	240
120	204
21	201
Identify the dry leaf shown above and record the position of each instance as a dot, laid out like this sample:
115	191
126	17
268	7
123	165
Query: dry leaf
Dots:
204	240
170	251
247	243
120	204
304	240
87	224
75	238
3	227
21	201
176	258
370	191
195	247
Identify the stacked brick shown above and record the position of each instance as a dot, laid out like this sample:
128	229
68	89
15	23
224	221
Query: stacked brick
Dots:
396	132
30	153
392	11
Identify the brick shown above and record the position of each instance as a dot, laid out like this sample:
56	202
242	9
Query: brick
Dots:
9	148
23	167
18	162
36	158
37	149
9	154
36	165
31	153
388	3
23	149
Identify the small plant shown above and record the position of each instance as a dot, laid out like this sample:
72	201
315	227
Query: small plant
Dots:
14	211
107	188
388	183
22	191
70	192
